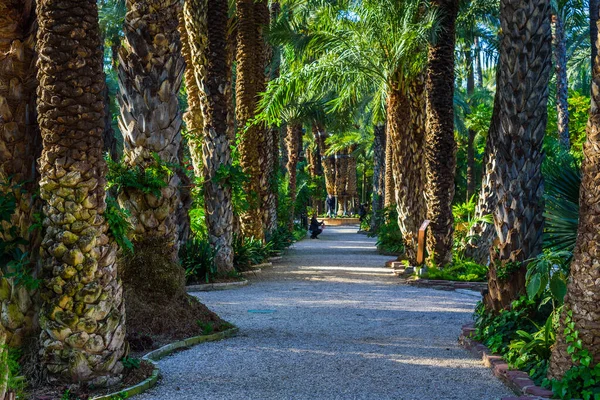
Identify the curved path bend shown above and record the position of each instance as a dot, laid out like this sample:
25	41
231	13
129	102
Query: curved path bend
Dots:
329	322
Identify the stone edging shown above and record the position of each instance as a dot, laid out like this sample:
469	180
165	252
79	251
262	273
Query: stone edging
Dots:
275	258
518	381
160	353
447	285
263	265
215	286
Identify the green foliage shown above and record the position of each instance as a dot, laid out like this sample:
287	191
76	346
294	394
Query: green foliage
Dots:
479	119
582	381
281	239
389	237
131	363
248	252
463	212
531	351
562	180
118	222
233	176
10	366
15	263
504	270
150	179
547	277
198	259
207	327
459	270
496	331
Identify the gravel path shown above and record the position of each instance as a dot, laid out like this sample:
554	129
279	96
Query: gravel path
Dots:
329	322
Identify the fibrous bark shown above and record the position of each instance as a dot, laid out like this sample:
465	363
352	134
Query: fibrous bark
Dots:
389	190
20	146
294	142
562	87
249	80
379	168
210	63
516	144
440	145
406	125
583	294
193	117
83	316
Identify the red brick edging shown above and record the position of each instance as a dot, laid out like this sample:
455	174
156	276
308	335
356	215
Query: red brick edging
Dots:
518	381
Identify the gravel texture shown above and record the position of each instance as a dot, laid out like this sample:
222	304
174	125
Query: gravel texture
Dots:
329	322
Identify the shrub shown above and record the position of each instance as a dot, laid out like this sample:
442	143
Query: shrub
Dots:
198	259
389	237
248	252
459	270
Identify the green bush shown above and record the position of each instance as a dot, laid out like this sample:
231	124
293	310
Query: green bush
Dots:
248	252
389	237
198	259
459	270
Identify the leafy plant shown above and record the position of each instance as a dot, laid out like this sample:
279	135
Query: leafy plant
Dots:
389	237
531	351
207	327
459	270
118	222
131	363
582	380
248	252
149	179
547	276
198	259
496	331
504	270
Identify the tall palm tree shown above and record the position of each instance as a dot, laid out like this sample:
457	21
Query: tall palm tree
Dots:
150	74
582	297
440	146
20	144
252	17
379	172
389	196
516	137
83	316
211	74
294	147
194	120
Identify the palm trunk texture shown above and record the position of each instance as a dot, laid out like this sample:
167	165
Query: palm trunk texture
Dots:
379	168
440	145
83	315
516	144
583	294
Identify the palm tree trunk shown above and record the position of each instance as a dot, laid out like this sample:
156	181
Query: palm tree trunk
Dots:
250	79
83	315
479	69
212	75
389	190
594	7
194	120
517	146
408	140
378	174
562	87
471	133
440	145
20	147
271	199
294	141
583	295
150	74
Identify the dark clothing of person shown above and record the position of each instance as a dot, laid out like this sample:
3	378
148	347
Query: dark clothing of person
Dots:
362	212
315	228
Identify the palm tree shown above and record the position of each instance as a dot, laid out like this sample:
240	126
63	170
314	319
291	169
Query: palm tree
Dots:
193	118
360	60
150	74
379	172
252	17
294	147
440	146
20	144
389	191
82	317
516	137
581	301
211	73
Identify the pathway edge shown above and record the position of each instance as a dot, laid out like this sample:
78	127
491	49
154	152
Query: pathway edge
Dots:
156	355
